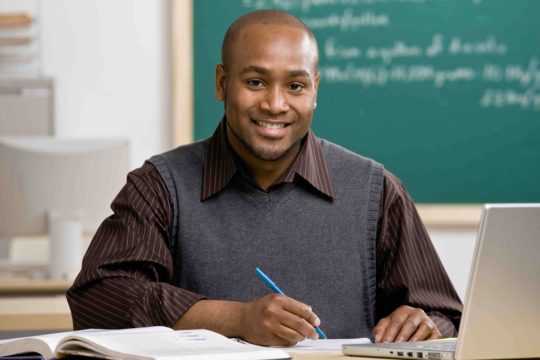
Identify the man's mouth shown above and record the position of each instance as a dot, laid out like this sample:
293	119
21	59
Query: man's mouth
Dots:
271	125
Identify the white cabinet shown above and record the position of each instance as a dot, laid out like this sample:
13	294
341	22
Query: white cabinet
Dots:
26	106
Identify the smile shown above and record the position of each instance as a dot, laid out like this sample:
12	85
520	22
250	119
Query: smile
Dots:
270	125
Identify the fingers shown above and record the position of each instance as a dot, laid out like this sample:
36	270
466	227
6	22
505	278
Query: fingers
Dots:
286	336
427	330
406	324
380	329
279	320
300	324
301	310
435	334
300	318
411	326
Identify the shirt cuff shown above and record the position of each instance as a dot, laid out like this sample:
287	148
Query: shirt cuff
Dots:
165	304
444	324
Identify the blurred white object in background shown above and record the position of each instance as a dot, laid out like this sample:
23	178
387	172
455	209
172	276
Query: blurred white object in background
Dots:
62	187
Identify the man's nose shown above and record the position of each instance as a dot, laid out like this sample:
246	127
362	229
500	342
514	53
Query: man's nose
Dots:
275	101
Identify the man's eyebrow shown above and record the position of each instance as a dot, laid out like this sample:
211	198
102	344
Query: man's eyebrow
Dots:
299	73
264	71
254	68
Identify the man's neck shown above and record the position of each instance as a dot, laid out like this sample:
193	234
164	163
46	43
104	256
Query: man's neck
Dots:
264	173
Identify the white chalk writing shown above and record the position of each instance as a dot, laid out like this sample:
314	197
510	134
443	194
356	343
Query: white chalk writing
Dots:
399	49
334	50
433	57
308	5
381	76
489	46
497	98
348	20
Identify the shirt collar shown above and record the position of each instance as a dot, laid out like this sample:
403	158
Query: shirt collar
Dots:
220	165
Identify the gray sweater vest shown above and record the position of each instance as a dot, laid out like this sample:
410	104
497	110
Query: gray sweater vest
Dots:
319	251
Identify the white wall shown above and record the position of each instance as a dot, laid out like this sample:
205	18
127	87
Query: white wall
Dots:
455	246
110	63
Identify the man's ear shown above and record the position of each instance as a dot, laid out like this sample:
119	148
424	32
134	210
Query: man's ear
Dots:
317	80
316	83
221	82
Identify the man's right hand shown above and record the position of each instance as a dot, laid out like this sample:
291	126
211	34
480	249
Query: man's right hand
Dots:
270	320
278	320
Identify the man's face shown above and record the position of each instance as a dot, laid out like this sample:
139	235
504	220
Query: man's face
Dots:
269	91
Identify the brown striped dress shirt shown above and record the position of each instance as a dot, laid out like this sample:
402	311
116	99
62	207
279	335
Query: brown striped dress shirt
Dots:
126	275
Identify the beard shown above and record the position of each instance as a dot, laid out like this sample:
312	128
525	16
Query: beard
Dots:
265	153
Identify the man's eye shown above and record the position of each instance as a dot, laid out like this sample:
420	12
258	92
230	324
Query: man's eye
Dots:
255	83
296	87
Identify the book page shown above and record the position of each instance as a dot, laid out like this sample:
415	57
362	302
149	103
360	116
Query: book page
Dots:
41	344
164	343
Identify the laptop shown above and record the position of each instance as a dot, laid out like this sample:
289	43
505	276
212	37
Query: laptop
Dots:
501	315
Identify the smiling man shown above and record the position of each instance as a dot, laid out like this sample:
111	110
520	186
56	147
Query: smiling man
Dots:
336	230
269	93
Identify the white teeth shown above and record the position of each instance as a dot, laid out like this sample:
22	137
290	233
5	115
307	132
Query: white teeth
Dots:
270	126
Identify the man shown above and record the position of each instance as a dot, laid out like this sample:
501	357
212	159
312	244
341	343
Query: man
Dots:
336	231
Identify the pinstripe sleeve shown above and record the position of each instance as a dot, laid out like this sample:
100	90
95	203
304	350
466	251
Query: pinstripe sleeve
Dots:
126	272
409	271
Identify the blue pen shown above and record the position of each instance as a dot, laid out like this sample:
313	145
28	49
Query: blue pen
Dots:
277	290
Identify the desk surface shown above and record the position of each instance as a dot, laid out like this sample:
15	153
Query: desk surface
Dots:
324	356
33	287
52	313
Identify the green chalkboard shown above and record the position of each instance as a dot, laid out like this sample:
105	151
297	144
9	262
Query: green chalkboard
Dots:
444	93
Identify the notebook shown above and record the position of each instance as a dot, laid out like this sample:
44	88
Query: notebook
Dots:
501	315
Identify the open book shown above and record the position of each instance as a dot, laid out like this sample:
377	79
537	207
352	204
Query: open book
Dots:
140	344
